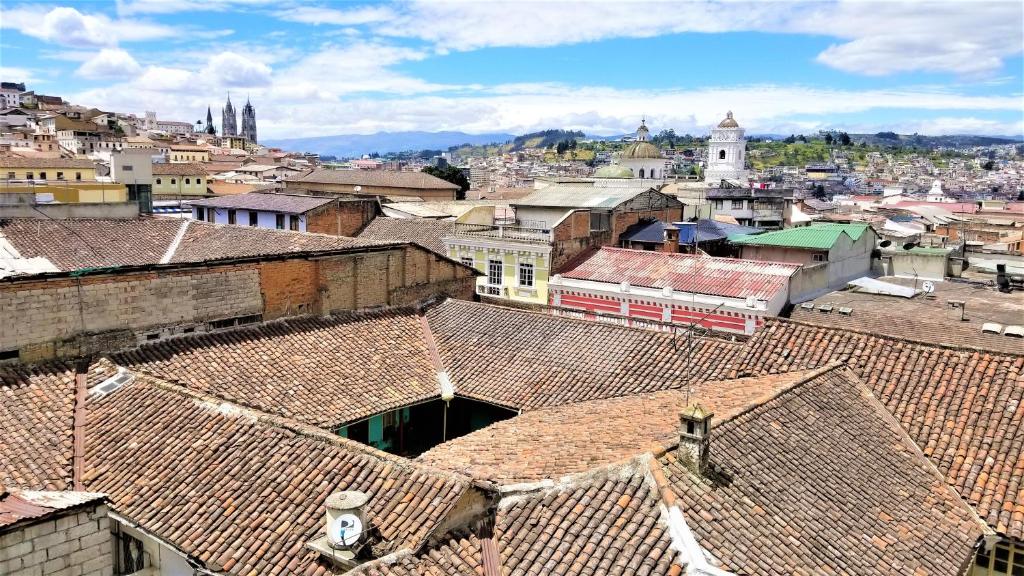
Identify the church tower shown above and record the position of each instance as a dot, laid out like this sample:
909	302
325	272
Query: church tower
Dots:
249	122
209	122
229	121
727	153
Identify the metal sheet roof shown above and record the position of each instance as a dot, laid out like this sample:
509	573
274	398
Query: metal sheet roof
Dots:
581	196
818	236
705	230
725	277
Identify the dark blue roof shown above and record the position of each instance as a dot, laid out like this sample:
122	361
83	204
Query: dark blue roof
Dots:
706	231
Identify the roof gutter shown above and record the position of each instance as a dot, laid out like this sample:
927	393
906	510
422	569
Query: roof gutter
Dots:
78	429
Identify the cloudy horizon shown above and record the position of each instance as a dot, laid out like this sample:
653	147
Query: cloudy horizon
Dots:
326	68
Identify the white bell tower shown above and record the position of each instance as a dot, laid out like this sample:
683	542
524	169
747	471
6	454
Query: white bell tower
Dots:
727	153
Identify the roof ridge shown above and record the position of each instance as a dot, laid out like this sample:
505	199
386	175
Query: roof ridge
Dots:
908	442
294	426
808	375
780	319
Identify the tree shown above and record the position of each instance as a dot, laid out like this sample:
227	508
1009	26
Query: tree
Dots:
802	138
988	165
819	192
453	175
828	139
562	147
844	139
887	136
790	139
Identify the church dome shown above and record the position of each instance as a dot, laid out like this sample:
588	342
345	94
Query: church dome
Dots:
641	150
729	122
613	171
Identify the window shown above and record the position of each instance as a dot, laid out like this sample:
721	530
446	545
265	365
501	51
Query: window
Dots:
526	275
11	175
187	181
174	181
293	222
127	168
252	218
60	175
158	181
231	216
641	172
737	204
78	175
599	221
1006	559
130	555
467	261
718	204
199	181
200	213
820	257
29	176
494	272
721	154
280	221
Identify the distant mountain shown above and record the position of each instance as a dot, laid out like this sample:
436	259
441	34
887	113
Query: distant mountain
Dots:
951	141
355	145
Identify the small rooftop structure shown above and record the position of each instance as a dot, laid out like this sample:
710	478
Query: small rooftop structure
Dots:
266	202
817	236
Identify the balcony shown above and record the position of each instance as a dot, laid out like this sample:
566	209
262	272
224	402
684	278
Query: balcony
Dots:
504	230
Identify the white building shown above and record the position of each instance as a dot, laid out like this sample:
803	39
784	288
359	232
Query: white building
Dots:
642	158
727	152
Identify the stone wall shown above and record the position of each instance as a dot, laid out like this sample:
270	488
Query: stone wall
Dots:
75	543
66	317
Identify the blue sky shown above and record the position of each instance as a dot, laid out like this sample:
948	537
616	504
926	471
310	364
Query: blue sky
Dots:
320	68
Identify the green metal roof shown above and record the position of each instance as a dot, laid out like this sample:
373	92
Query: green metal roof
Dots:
821	236
926	251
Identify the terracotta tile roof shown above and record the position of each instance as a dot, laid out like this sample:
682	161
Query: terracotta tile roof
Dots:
926	319
36	415
725	277
529	360
383	178
553	442
286	203
964	408
820	480
324	372
178	169
244	492
425	232
11	161
81	243
607	523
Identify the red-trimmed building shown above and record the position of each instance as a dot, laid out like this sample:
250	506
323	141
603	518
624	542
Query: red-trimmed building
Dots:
724	294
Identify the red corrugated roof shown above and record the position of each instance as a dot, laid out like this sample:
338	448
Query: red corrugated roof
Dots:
726	277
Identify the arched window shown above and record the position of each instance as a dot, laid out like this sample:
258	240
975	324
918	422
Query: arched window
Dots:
641	172
721	154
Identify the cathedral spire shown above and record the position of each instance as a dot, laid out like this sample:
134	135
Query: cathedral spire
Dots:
229	121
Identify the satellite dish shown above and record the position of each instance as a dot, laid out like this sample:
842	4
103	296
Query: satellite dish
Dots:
344	531
358	188
885	243
909	245
928	287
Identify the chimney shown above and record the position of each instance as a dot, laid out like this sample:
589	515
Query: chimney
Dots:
694	436
1002	282
671	241
346	528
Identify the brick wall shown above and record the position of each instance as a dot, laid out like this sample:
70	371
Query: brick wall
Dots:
59	316
117	310
76	543
342	217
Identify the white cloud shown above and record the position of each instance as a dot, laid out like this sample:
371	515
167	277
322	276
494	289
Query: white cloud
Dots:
130	7
17	74
108	64
320	15
875	37
69	27
236	71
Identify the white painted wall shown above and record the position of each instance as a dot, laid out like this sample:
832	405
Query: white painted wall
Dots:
264	219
